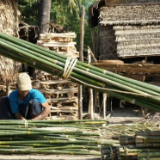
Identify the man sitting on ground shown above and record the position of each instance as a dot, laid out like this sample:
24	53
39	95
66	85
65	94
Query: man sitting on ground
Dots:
24	102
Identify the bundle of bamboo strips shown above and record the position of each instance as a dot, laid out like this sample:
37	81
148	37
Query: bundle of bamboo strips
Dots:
142	145
136	92
18	138
77	137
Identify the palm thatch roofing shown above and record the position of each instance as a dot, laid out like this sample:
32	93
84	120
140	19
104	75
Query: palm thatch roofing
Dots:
9	20
94	12
137	40
126	15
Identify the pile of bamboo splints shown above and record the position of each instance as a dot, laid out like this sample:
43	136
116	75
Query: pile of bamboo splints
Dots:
78	137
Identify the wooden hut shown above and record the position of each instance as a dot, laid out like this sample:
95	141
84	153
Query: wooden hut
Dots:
127	28
9	22
128	37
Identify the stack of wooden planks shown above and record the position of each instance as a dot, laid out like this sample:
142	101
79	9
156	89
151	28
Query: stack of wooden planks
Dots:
60	42
62	96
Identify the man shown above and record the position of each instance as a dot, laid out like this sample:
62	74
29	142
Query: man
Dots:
24	102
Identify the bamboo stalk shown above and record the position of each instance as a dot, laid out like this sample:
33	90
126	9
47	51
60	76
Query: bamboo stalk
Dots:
80	65
87	76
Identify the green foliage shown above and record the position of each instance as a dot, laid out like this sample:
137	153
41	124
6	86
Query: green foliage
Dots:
29	11
63	12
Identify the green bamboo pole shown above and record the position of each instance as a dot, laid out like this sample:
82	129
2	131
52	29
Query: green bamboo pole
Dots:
151	158
63	58
147	145
148	133
46	63
111	93
156	109
37	131
46	60
109	80
136	150
149	154
28	151
147	139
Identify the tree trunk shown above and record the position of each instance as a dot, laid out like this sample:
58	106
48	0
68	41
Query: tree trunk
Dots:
44	15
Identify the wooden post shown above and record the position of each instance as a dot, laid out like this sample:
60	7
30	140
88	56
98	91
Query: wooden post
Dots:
97	102
44	15
80	95
144	110
7	88
82	34
104	104
90	106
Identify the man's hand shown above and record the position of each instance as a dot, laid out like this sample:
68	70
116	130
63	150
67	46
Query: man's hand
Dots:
19	116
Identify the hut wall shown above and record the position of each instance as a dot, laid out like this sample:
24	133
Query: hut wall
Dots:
107	43
136	29
127	15
9	17
138	40
9	25
124	2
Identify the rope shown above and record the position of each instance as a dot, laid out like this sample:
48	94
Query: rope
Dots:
69	65
26	123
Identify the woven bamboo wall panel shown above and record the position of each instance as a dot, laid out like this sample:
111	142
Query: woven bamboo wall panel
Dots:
9	22
135	41
136	14
108	45
116	2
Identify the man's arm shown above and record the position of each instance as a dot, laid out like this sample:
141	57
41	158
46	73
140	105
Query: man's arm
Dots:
44	113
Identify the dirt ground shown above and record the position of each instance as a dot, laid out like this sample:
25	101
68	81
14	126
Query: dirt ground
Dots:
120	115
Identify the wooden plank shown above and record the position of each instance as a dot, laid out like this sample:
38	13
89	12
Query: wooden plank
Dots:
66	100
63	117
59	91
64	111
56	82
65	108
69	34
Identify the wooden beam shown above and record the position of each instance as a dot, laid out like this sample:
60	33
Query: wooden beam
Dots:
80	95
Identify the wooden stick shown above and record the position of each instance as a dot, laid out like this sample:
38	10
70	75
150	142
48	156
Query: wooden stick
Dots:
81	59
90	106
104	104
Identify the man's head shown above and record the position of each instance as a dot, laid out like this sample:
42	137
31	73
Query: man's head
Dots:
24	82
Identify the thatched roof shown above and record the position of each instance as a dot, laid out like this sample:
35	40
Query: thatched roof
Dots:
93	12
8	24
137	40
136	14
